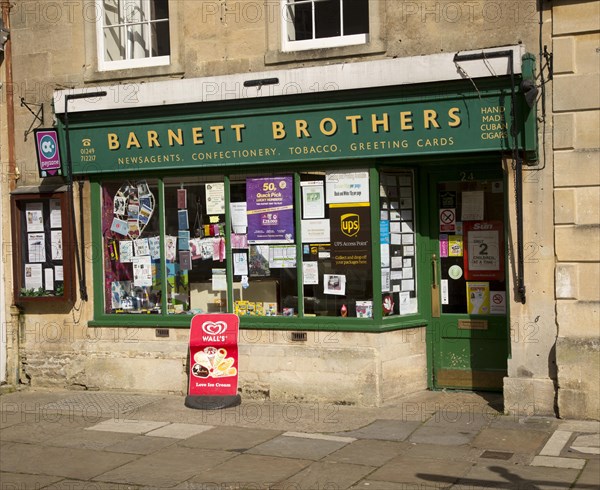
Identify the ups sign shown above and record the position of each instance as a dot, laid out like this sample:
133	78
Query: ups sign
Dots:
350	224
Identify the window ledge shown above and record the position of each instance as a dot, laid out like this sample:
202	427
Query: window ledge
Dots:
91	74
279	57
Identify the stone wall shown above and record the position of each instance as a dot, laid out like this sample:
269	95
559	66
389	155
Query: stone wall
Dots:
576	144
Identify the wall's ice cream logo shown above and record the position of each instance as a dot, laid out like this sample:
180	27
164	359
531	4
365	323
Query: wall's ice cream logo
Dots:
214	328
350	224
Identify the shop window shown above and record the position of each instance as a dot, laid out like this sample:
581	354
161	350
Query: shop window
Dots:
295	245
132	33
398	243
316	24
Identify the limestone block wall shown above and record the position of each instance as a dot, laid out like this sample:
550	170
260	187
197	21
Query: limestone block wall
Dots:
576	144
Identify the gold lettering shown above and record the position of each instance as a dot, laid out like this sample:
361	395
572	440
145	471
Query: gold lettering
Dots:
454	115
354	122
430	117
406	122
197	136
153	139
217	130
132	141
178	137
278	130
385	122
113	141
238	131
331	130
302	128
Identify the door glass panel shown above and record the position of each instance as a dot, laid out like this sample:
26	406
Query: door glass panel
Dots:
471	247
398	243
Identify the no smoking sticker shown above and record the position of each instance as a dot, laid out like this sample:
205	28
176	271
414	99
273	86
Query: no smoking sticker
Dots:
447	220
498	302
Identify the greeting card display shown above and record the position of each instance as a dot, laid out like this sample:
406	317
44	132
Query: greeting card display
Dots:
133	206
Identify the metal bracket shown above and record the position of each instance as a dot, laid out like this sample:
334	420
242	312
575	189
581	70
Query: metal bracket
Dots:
38	118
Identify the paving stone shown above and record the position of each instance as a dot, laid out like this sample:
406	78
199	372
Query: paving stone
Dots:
86	485
445	436
81	464
580	425
17	481
554	446
39	432
252	470
556	462
368	452
432	451
128	426
471	420
296	447
179	431
230	438
511	440
528	423
386	430
502	475
403	469
382	485
83	439
141	445
333	475
587	444
165	468
590	476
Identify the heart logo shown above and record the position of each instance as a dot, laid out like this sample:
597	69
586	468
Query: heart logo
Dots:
214	328
133	207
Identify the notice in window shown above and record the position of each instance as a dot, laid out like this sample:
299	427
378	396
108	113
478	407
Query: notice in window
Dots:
270	202
34	216
33	276
37	247
215	198
472	206
313	200
347	187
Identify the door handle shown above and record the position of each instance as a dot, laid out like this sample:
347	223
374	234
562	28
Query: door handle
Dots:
435	294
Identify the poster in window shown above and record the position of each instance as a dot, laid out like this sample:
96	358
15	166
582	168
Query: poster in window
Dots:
215	198
35	218
350	235
313	200
347	187
270	209
483	251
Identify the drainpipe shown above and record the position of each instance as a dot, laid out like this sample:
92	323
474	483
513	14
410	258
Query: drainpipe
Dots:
10	106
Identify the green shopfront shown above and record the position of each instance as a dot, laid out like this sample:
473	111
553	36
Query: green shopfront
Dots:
373	218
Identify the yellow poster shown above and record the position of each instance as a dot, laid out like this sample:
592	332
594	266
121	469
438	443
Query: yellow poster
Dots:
455	246
478	298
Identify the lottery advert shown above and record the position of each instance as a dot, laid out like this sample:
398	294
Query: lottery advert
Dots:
214	355
270	210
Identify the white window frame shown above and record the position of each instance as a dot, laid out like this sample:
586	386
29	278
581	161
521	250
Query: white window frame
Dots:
320	43
104	65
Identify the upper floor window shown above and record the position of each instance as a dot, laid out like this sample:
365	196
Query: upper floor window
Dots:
133	34
315	24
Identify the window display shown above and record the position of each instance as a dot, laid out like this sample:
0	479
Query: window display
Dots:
259	245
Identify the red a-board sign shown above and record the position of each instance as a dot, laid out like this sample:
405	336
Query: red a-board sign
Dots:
214	355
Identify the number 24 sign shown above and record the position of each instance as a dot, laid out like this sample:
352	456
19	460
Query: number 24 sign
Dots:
484	250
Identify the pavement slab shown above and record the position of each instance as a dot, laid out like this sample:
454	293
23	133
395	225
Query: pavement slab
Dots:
444	436
165	468
39	432
385	485
80	464
589	478
499	475
251	470
297	447
511	440
17	481
385	430
368	452
129	426
83	439
230	438
326	474
403	469
141	445
86	485
473	420
179	431
435	452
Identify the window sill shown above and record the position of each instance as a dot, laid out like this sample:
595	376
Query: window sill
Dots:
267	323
91	74
273	57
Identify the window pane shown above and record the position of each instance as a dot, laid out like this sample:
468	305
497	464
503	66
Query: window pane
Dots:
299	21
195	245
160	9
137	41
327	19
356	17
398	243
264	246
114	43
130	227
336	244
134	11
161	44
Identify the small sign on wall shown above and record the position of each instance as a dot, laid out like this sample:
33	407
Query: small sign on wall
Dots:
48	152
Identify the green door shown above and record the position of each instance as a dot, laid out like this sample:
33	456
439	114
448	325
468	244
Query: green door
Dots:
468	337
